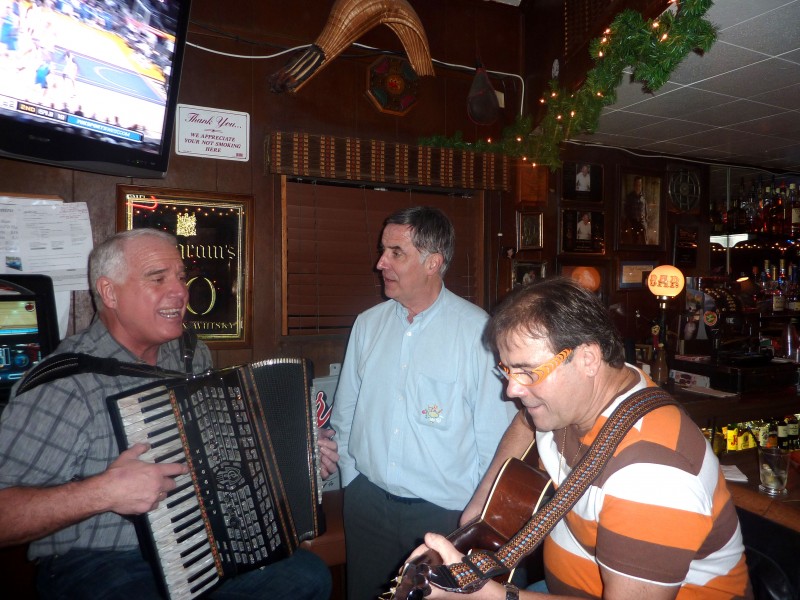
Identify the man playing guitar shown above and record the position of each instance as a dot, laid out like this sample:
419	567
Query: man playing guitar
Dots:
658	522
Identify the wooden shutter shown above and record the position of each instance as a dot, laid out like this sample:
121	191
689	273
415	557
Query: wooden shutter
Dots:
331	235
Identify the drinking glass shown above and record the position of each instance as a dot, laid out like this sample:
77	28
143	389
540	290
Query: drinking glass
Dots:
773	467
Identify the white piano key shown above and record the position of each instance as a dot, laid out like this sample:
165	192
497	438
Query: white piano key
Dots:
150	396
163	518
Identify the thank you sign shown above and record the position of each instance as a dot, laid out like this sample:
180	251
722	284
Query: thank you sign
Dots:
212	133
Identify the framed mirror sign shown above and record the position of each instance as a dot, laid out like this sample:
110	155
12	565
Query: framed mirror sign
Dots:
215	241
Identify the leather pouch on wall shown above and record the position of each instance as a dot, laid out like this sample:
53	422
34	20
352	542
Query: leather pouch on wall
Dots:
482	105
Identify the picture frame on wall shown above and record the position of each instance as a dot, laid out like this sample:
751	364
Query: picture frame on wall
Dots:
633	272
529	230
583	231
524	272
531	183
214	234
640	210
591	274
582	181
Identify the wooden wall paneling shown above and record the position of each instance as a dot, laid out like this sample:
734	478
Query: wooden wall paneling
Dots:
333	103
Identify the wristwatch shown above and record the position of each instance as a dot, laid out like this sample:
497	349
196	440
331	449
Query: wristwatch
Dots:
512	592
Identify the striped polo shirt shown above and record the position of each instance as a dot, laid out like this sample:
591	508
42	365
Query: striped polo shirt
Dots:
659	512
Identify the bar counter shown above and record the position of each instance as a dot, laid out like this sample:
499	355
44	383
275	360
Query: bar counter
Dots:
784	510
714	412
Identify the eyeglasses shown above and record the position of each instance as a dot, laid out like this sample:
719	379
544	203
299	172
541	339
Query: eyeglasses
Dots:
534	376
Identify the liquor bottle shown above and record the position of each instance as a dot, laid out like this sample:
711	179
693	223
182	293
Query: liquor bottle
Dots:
659	372
765	280
793	296
753	215
772	434
783	434
765	205
778	299
732	437
794	203
793	428
760	431
777	215
782	276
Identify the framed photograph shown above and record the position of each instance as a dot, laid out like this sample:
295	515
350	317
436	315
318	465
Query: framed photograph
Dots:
582	181
531	183
633	272
591	274
583	231
640	211
529	230
525	272
215	239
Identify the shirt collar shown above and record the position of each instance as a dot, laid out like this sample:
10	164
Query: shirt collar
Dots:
421	318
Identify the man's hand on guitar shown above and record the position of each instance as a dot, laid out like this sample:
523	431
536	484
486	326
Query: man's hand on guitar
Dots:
437	549
443	547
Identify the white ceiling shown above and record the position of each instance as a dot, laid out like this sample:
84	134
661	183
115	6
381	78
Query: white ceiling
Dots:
738	104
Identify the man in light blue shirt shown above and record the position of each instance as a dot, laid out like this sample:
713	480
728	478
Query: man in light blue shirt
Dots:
418	412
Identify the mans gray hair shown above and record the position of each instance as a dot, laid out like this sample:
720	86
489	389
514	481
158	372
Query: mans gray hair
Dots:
107	259
431	232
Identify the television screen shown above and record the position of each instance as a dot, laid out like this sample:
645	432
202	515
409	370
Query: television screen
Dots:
91	84
28	326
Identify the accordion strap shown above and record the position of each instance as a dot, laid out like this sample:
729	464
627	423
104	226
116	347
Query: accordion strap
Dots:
67	364
481	565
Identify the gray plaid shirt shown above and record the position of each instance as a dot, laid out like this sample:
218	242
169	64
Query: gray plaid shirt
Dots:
60	432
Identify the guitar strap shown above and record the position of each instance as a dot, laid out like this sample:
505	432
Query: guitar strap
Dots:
481	565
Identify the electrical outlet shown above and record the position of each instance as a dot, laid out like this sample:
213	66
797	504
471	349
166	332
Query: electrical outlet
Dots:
334	369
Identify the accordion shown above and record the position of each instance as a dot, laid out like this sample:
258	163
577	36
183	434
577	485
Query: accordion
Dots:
253	492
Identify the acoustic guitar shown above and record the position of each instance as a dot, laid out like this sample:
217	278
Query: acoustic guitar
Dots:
519	491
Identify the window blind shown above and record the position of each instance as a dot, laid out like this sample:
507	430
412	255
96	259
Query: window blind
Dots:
331	235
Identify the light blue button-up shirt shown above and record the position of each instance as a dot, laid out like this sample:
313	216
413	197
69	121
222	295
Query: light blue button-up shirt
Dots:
418	410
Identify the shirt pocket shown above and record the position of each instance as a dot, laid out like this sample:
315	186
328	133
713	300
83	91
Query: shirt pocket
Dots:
433	402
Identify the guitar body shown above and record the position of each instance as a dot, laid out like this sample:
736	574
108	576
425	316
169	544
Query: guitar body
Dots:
519	490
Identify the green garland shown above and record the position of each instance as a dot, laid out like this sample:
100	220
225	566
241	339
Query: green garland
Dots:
652	49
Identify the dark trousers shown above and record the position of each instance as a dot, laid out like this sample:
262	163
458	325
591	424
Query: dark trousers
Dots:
381	531
97	575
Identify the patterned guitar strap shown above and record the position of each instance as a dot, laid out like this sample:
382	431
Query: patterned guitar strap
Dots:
481	565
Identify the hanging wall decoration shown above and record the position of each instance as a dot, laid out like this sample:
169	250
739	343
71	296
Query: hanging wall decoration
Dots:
392	85
348	21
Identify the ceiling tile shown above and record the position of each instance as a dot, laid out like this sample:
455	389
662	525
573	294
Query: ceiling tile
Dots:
738	103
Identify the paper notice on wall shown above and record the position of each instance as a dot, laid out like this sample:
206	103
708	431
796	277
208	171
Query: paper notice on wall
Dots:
53	239
212	133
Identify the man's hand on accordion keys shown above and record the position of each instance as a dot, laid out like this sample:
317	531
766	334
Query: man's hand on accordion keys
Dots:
134	486
329	457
